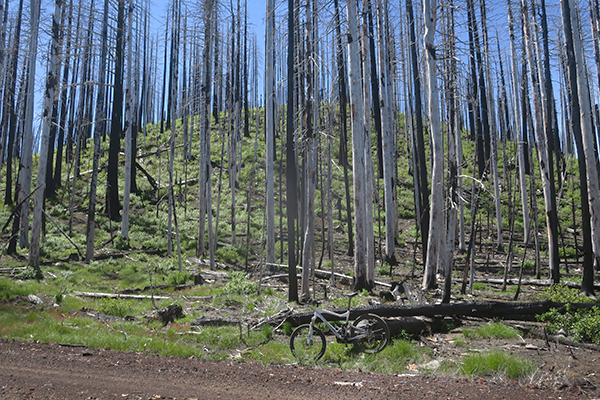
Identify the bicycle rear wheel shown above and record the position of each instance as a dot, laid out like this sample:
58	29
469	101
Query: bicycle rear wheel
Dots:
373	331
305	349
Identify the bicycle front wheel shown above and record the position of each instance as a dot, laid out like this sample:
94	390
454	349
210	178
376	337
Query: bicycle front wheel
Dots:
372	333
307	349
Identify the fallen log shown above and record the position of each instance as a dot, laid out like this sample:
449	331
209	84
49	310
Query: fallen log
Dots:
415	325
493	309
136	296
155	287
13	269
213	321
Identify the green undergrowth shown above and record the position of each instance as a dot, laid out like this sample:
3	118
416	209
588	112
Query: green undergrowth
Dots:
393	359
581	324
493	330
236	299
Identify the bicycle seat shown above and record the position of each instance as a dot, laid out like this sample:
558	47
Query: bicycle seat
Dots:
350	295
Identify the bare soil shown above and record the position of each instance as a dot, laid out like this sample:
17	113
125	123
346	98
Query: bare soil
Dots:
50	371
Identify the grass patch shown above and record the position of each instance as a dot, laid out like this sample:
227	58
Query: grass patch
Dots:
494	330
10	288
494	362
393	359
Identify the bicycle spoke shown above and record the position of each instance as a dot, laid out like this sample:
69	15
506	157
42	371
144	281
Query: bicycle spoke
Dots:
307	350
373	333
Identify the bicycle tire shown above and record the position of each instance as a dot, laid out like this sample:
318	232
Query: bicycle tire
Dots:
377	333
304	351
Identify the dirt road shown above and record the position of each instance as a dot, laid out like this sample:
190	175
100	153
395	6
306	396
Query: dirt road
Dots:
45	371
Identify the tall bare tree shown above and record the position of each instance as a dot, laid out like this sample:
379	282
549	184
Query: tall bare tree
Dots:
521	156
113	204
587	130
270	107
435	242
99	132
129	118
205	100
419	154
9	114
291	183
546	169
27	141
387	135
50	95
359	160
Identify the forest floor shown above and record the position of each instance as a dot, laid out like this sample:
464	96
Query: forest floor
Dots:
51	371
31	370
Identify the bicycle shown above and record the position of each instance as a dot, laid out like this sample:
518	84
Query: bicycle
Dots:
369	333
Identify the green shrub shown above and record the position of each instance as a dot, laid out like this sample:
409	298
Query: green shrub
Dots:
121	243
239	284
567	252
229	255
179	278
529	265
115	306
582	324
383	269
29	273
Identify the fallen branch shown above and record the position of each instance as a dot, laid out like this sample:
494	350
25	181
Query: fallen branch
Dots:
149	177
555	338
152	287
64	233
18	207
210	321
10	270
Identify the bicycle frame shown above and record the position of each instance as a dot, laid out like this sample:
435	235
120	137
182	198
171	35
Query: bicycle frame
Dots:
319	314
